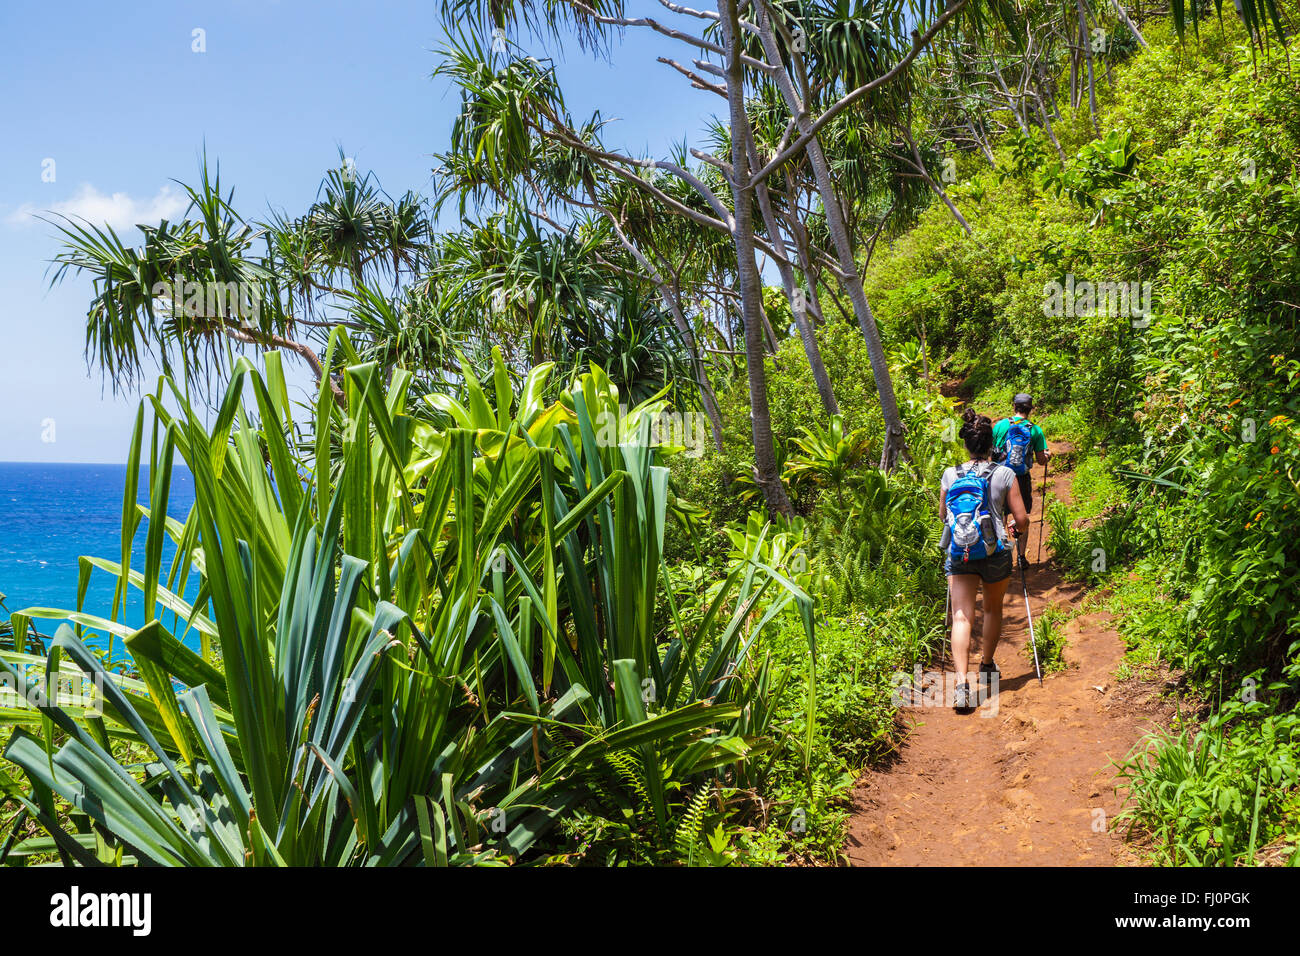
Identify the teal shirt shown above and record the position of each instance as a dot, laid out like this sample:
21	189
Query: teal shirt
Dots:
1038	441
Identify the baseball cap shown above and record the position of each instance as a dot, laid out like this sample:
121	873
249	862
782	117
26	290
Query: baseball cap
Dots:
1022	398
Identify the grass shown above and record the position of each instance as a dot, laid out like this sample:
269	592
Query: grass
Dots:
1146	620
1063	424
1216	795
858	656
1049	637
1094	488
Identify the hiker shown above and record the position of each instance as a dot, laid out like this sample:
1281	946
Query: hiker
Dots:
1017	440
981	510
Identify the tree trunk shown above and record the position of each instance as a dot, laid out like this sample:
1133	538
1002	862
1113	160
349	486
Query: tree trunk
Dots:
925	353
852	281
1087	53
1047	85
766	475
769	333
982	144
673	302
707	398
933	183
1012	102
1047	123
1074	77
1123	15
806	333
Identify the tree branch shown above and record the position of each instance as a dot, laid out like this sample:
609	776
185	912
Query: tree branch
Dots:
919	42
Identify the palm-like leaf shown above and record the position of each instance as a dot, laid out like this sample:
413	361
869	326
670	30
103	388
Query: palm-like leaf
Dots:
414	643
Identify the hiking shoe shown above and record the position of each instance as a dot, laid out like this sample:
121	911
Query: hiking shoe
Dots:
989	674
961	701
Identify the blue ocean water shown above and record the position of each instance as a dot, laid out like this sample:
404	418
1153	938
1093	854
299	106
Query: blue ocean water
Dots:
50	514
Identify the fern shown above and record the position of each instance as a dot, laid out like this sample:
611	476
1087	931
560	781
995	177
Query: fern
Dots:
691	824
628	770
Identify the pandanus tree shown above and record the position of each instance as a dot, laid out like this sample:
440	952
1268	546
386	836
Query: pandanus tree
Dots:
557	190
514	99
566	297
687	263
821	59
198	290
774	206
878	188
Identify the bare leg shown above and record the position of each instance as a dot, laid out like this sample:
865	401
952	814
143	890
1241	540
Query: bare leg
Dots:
992	633
964	588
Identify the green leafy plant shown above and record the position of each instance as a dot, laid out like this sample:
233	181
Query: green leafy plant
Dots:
1049	639
414	665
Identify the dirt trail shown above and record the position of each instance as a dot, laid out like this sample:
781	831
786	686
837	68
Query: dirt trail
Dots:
1020	787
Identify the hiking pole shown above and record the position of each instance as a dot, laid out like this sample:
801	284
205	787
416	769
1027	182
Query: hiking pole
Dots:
1024	584
1042	513
947	640
947	619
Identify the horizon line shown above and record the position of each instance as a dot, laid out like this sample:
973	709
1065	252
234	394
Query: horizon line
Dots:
117	464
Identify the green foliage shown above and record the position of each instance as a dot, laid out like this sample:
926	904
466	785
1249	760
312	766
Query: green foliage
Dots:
1101	165
488	627
1151	625
1187	494
1049	638
795	405
858	656
829	458
722	482
431	636
1218	795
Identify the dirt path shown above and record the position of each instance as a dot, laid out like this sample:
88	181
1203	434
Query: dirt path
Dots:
1019	785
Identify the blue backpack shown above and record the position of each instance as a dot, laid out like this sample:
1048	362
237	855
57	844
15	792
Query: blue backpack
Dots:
970	532
1020	435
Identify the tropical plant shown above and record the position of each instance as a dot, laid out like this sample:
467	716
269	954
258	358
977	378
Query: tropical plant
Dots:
200	289
830	458
414	655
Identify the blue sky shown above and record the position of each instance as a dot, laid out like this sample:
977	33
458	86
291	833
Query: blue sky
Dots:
115	95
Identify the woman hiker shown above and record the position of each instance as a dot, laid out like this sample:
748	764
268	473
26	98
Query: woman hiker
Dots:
982	512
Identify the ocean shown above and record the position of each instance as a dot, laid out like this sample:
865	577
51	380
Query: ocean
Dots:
51	514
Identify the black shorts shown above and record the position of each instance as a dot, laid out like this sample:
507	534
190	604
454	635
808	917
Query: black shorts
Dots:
1026	490
991	570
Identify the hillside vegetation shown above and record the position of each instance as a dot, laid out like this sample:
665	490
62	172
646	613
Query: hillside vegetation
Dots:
475	605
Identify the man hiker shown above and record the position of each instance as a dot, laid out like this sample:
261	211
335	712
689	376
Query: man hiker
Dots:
1019	443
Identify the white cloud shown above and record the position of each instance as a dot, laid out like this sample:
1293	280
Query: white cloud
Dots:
119	210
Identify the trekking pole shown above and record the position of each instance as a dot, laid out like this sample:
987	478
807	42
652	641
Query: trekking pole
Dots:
1024	584
947	622
1042	513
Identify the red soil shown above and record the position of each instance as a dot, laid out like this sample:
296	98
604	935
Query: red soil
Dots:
1027	785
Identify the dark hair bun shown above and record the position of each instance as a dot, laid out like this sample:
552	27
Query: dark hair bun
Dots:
976	432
